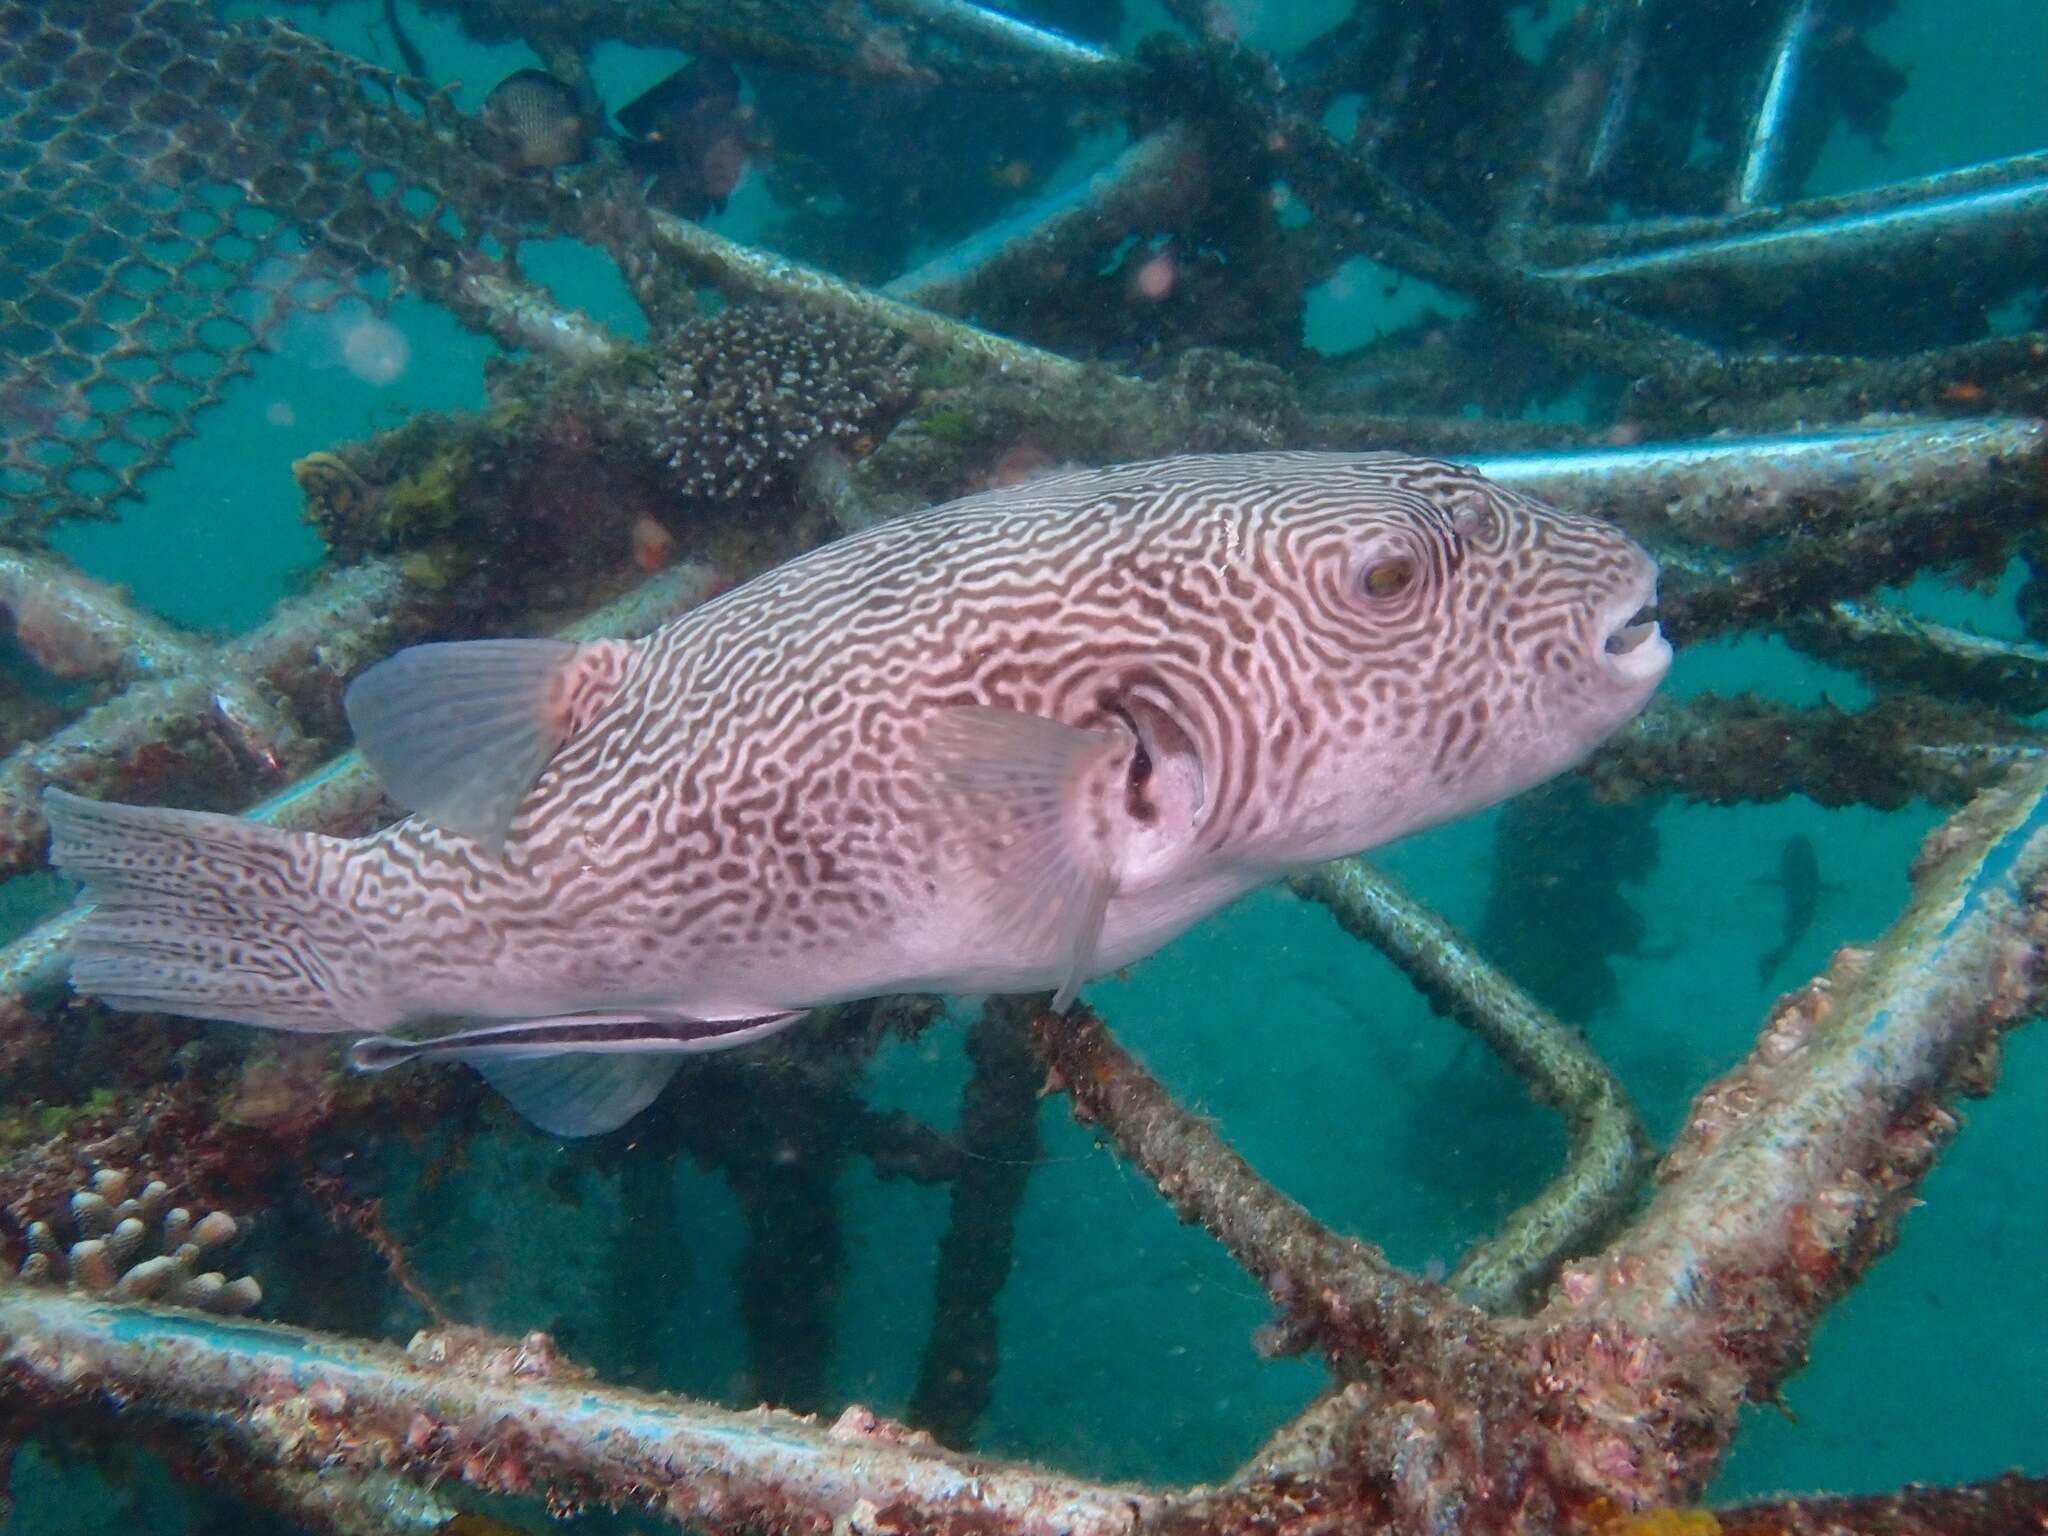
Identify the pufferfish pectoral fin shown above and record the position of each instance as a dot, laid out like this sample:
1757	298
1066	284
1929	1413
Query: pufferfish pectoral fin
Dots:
459	731
1021	782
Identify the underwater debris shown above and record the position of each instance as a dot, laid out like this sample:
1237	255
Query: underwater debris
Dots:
1892	648
1739	494
138	1247
1153	181
530	500
742	399
479	1352
219	724
1820	273
205	146
1999	1506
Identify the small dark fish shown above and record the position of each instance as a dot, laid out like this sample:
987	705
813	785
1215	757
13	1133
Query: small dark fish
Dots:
1798	877
538	120
415	62
690	133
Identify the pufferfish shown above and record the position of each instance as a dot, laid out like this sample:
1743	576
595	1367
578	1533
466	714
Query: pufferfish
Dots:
1007	744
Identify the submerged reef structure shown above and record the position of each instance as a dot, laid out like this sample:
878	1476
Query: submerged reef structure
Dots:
177	183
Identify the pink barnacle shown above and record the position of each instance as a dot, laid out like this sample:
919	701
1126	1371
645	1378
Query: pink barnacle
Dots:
1613	1459
1155	279
1579	1282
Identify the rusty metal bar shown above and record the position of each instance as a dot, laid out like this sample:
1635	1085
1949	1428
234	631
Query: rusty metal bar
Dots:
209	721
1336	1293
2011	1505
74	627
521	315
1072	65
1766	133
1728	751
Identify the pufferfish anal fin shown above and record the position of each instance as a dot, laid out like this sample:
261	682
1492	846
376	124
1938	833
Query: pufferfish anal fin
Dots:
578	1074
570	1096
459	731
1021	783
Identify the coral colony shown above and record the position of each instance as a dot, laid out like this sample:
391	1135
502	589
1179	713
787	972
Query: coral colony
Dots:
1581	1369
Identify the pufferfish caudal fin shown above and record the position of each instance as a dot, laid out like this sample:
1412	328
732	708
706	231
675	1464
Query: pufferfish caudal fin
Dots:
209	916
1030	788
458	732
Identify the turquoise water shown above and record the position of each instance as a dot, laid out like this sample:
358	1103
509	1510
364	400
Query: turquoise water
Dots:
1125	1335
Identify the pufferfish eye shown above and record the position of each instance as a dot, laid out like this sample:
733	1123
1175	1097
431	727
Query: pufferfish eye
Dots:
1387	578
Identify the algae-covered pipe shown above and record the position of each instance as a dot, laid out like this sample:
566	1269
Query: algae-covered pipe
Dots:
1609	1149
298	1399
1988	205
1806	1156
1739	491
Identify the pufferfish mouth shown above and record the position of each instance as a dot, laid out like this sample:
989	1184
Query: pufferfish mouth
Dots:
1641	626
1635	648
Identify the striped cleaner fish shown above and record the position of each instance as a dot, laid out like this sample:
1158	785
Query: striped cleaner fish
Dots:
1005	744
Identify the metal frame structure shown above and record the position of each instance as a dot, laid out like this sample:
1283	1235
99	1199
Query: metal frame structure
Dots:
1586	1362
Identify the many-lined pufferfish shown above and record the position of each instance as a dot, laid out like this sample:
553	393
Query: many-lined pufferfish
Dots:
1006	744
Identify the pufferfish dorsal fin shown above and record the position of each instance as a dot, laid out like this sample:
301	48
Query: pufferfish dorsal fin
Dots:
1022	780
459	731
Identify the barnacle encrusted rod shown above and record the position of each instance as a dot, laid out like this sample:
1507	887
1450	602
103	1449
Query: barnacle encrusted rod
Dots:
1725	751
1343	1295
1609	1151
2011	1505
1736	492
1997	208
75	627
962	43
1377	216
204	719
1807	1156
1892	648
1152	182
742	271
296	1399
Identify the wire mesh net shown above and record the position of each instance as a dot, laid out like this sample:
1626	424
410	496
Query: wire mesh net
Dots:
177	186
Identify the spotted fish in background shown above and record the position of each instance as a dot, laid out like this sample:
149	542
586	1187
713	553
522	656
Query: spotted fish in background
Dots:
538	121
1006	744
